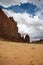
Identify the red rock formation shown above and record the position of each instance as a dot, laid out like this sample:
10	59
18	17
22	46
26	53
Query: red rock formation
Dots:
7	26
9	29
27	39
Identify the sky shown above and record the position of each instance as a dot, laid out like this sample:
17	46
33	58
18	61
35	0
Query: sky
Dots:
28	14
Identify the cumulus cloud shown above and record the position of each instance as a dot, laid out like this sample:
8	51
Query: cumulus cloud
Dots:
38	3
28	25
17	2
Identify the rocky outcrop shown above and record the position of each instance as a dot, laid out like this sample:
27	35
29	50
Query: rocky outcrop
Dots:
27	39
39	41
9	29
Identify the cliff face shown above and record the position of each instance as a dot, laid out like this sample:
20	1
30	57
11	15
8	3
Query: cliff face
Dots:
9	29
7	26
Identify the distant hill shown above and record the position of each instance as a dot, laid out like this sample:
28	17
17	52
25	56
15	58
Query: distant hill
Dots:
39	41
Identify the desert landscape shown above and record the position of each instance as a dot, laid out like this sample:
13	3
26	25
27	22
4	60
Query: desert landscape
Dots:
21	32
13	53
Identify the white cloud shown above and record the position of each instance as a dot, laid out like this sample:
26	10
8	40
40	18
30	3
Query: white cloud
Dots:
38	3
15	2
27	24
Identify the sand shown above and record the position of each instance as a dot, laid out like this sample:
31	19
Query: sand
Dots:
12	53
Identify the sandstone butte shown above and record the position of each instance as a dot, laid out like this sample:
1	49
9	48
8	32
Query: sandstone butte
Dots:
9	29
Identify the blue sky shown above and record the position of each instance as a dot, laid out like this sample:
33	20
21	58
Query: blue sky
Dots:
25	7
28	14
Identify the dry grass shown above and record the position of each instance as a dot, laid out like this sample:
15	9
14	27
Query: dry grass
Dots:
12	53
